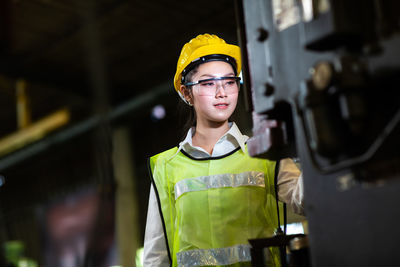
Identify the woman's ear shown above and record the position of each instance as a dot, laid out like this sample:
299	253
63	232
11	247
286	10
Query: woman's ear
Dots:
187	94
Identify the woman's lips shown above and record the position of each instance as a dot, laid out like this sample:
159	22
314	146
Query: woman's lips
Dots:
221	105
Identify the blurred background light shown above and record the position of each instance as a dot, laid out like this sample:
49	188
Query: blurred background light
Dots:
158	112
2	180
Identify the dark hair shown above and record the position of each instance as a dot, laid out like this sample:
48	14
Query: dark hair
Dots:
187	112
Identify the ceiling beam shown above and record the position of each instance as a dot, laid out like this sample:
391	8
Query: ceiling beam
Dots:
85	126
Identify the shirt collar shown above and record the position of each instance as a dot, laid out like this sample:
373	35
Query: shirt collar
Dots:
232	136
238	136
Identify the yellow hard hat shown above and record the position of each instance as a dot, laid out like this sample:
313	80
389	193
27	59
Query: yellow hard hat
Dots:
204	48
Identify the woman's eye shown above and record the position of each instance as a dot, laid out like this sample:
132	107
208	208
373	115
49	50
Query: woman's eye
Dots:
208	84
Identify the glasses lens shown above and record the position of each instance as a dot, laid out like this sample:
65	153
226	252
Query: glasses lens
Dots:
212	86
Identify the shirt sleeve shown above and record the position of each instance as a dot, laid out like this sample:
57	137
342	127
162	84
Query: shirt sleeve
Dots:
155	252
290	185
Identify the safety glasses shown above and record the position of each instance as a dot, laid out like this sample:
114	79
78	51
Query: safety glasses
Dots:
211	86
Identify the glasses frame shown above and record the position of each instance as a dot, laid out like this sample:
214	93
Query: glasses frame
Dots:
237	79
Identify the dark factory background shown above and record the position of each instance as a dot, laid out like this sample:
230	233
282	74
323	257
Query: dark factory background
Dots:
86	96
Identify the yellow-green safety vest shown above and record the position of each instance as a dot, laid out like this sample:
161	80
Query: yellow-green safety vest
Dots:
211	207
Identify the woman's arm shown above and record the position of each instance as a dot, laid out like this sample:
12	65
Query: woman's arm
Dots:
290	185
155	252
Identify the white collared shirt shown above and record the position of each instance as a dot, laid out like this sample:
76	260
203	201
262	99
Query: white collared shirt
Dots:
290	191
232	139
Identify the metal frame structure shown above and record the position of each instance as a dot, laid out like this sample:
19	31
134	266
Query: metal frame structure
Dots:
323	77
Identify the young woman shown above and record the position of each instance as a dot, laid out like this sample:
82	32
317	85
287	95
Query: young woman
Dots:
208	196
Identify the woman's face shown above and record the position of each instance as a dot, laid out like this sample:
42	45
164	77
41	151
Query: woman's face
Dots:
219	106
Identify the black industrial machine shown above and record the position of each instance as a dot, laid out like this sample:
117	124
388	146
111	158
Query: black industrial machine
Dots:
323	79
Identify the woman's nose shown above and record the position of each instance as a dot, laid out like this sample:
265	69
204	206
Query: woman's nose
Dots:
220	90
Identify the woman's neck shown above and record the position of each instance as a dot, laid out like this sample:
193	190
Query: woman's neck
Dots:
207	135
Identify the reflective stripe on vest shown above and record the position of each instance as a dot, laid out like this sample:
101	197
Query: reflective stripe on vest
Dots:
218	181
216	256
